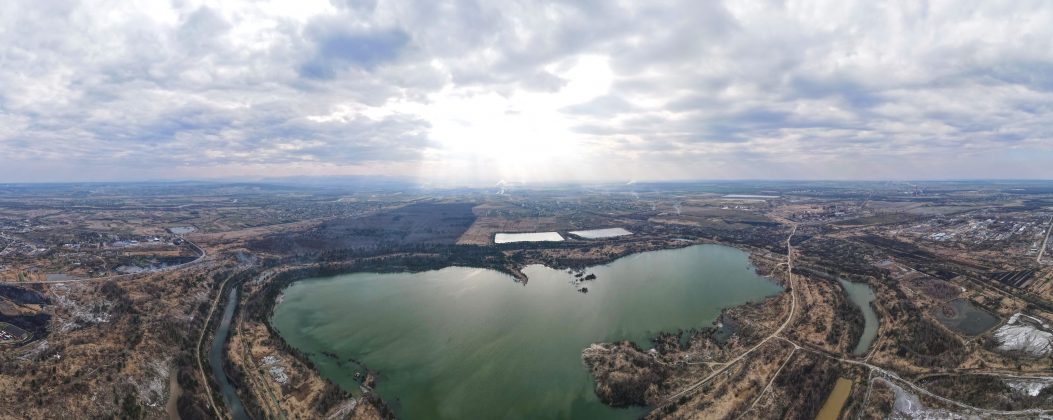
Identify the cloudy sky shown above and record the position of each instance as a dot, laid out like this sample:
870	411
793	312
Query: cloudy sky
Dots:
482	91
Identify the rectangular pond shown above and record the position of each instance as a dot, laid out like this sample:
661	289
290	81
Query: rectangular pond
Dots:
751	196
601	233
506	238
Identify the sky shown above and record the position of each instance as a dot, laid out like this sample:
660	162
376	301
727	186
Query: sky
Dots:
478	92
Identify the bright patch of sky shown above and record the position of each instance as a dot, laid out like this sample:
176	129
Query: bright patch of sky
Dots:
473	92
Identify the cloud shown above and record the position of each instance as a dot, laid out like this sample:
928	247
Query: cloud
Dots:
336	49
480	91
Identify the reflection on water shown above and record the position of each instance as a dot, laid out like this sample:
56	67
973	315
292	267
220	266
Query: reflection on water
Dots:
470	343
962	316
861	295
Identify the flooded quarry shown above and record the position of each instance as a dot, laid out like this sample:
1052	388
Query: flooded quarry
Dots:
963	317
471	343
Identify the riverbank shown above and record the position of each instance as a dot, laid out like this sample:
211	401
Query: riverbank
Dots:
216	353
443	338
261	340
281	381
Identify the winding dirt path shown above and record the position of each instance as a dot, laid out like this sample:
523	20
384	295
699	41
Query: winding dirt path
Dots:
789	317
882	373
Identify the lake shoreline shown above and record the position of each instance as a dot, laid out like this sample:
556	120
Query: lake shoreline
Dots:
259	298
759	264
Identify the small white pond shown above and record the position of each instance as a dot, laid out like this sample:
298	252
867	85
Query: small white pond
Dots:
749	196
601	233
504	238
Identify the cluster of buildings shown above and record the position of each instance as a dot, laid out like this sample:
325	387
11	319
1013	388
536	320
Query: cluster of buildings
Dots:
1028	233
6	336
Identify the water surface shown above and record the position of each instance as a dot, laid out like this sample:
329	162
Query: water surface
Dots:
467	343
861	295
504	238
835	402
216	355
601	233
962	316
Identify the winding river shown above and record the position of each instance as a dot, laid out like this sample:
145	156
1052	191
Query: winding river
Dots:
862	295
216	355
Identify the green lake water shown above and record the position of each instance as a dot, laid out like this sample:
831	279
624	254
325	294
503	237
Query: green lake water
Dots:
468	343
862	295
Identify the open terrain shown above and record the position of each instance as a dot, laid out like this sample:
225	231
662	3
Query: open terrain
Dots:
111	294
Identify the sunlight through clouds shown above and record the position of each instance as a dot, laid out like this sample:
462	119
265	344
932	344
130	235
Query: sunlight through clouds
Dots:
476	92
521	136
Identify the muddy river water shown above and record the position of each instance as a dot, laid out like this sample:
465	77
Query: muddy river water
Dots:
468	343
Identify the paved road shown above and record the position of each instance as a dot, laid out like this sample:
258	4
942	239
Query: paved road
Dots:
890	375
1044	241
886	375
200	257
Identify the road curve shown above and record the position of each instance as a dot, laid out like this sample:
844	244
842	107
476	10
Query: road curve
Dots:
201	256
886	375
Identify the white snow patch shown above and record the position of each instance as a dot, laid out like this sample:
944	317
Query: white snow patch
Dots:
152	388
80	313
1030	388
908	406
1024	336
